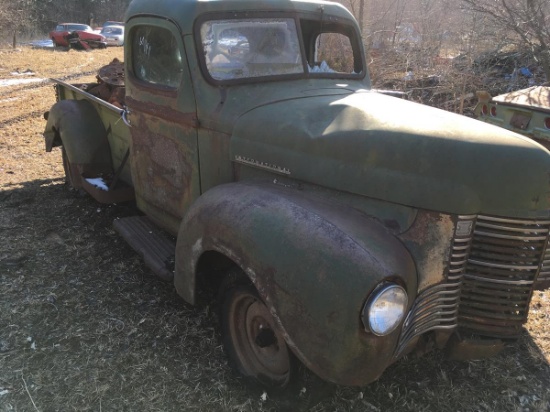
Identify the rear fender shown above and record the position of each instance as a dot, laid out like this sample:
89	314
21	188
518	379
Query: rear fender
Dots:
77	126
313	263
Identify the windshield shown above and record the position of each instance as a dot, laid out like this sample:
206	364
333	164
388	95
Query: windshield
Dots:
111	30
236	49
81	27
72	27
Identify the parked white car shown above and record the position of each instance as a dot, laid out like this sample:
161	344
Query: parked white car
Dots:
114	35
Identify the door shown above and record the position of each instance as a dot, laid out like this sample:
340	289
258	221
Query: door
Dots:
162	113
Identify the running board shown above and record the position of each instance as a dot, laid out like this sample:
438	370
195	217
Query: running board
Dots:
154	246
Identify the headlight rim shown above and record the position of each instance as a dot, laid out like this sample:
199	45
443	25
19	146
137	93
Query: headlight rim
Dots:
376	294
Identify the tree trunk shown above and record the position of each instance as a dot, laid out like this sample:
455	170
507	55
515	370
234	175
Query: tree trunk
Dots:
361	16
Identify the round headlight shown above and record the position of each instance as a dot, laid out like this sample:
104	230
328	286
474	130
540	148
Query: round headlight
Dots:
385	309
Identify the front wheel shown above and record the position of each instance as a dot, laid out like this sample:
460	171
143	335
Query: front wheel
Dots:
251	339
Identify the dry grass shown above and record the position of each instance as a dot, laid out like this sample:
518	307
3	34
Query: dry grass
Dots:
85	326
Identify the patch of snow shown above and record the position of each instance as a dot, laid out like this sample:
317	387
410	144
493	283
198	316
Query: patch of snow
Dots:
11	99
525	400
27	72
98	182
41	43
16	82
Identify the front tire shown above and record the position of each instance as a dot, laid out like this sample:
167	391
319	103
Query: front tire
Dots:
251	338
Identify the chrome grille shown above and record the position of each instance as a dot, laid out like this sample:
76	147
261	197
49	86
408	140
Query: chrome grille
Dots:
504	260
489	282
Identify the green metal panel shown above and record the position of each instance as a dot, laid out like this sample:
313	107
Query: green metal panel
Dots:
395	217
214	150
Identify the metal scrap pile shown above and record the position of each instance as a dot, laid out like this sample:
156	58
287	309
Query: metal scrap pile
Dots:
110	84
503	72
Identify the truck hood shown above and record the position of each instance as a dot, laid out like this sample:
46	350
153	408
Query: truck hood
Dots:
386	148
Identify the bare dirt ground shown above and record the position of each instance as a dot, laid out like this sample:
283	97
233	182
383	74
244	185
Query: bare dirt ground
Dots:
85	326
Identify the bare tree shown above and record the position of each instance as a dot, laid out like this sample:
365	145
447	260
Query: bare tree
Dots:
13	18
529	20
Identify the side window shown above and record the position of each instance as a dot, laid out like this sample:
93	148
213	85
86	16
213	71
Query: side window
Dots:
156	57
333	54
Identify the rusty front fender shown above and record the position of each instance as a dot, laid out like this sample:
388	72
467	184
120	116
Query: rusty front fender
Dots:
313	263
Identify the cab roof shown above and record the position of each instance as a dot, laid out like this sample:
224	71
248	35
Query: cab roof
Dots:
184	12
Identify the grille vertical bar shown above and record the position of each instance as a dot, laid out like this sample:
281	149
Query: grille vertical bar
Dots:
544	274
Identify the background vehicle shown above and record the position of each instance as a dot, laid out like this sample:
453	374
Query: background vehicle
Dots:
114	35
525	111
85	33
112	23
338	225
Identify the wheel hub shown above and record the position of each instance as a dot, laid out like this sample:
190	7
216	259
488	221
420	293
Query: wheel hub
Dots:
267	346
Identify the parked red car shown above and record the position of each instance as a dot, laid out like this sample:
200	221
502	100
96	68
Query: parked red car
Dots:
64	32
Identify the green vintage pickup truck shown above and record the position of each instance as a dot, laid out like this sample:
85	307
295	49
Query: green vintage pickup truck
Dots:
340	227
